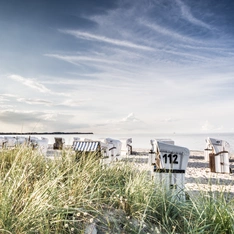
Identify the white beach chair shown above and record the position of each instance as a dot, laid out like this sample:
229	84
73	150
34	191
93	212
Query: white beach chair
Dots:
2	141
170	166
217	153
33	141
126	148
21	140
42	145
9	141
114	149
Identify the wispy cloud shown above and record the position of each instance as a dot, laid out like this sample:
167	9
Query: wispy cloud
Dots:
3	99
167	32
65	103
5	106
34	84
79	59
209	127
169	120
117	42
74	103
130	118
186	14
32	101
30	83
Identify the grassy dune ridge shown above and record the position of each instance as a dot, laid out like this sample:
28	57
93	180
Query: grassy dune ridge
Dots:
39	195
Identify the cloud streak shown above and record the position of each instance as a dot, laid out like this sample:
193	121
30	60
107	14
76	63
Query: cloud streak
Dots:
186	14
34	84
117	42
32	101
81	59
30	83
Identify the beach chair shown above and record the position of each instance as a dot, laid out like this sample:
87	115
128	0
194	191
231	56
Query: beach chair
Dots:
114	149
21	140
59	143
126	148
32	141
170	165
217	154
86	148
42	145
2	141
9	142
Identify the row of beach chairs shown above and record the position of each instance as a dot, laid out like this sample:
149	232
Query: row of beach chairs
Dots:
10	142
110	150
216	151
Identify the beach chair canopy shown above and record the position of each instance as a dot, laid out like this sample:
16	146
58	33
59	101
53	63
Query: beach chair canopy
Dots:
85	146
59	140
171	157
154	143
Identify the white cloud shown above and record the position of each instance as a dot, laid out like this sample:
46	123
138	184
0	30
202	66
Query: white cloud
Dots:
34	84
74	102
3	99
186	13
130	118
169	120
165	31
32	101
79	59
30	83
93	37
209	127
5	106
8	95
50	116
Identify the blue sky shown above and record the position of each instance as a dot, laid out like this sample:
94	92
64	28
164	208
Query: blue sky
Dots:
143	66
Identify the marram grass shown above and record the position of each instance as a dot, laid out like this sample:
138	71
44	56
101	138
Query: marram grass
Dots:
65	195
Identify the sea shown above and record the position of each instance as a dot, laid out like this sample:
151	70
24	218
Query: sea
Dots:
191	141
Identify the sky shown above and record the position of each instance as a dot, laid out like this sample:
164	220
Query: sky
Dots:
101	66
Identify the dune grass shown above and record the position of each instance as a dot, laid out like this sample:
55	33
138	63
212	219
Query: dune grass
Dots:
39	195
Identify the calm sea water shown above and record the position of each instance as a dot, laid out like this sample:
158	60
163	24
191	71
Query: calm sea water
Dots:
190	141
